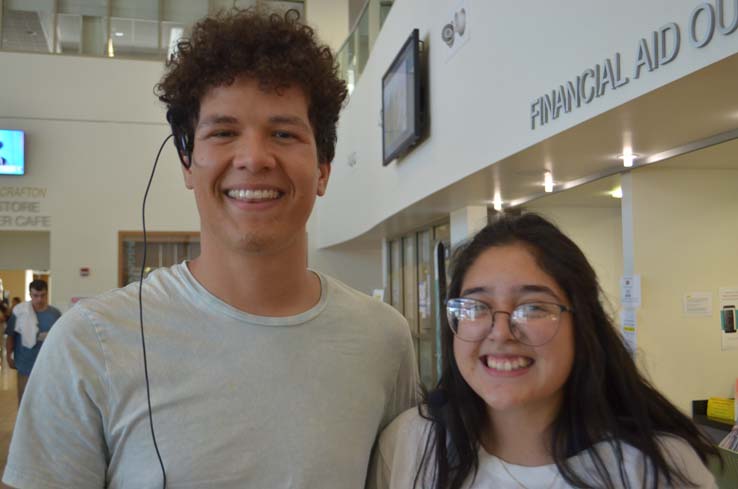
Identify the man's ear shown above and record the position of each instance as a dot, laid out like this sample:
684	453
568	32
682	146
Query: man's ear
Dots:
325	173
187	172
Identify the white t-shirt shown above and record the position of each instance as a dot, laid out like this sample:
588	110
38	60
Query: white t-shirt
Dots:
239	401
401	448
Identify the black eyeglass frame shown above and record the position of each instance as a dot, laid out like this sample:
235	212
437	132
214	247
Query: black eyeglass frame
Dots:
512	325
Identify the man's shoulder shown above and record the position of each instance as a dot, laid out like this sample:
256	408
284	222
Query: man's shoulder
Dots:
159	289
159	283
106	301
346	297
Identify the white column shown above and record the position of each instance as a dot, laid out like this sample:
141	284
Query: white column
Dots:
626	212
466	222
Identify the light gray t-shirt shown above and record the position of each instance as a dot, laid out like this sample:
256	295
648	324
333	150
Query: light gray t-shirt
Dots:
401	446
238	400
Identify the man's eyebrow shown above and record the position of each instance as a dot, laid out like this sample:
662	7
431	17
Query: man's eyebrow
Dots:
275	119
289	120
216	119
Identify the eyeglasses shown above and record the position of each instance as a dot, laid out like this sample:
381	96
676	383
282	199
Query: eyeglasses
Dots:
532	324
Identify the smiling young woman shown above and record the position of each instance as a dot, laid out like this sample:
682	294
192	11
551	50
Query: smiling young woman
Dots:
538	389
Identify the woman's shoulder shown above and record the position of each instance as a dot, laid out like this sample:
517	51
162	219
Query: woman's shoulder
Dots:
678	453
676	450
400	451
409	427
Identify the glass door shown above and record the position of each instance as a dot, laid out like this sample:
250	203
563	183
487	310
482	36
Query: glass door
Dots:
426	312
417	290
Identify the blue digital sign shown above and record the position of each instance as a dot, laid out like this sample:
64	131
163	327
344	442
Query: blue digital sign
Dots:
12	152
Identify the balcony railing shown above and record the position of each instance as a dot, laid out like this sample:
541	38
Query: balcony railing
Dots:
354	52
141	29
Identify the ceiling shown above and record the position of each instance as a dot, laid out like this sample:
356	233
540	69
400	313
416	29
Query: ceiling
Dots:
134	26
593	194
695	112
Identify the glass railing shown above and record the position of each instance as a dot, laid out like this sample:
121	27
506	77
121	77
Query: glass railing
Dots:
354	52
140	29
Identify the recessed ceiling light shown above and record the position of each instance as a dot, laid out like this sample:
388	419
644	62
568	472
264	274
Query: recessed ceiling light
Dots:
617	193
628	157
497	202
119	34
548	182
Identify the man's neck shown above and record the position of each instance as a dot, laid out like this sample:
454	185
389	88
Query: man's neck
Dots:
40	309
276	284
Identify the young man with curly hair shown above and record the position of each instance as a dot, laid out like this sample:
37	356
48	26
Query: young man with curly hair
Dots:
263	373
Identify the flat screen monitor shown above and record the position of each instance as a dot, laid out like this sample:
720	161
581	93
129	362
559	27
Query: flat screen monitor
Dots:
402	114
12	152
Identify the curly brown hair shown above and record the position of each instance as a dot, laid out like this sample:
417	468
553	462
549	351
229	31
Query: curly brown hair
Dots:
275	49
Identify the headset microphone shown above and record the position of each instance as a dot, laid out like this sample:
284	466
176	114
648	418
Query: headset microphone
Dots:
185	143
182	134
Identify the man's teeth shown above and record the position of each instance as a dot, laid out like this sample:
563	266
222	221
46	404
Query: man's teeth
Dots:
241	194
508	364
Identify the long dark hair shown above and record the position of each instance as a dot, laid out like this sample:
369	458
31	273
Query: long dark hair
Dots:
605	397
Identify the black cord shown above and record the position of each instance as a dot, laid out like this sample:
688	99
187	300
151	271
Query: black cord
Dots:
140	314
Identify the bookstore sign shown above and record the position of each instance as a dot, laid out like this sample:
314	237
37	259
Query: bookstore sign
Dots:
22	208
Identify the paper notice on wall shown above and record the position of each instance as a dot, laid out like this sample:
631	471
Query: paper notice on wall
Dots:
728	296
630	291
728	341
424	298
698	304
629	329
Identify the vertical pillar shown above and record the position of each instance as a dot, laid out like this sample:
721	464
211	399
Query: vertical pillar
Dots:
93	39
466	222
626	212
2	9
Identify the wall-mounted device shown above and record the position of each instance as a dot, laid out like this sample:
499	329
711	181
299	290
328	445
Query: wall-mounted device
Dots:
403	101
12	152
728	318
456	27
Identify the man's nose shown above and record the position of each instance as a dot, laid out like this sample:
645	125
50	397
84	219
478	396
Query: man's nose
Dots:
254	153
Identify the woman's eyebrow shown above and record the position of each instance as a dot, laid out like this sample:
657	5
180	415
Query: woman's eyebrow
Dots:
538	288
474	290
523	289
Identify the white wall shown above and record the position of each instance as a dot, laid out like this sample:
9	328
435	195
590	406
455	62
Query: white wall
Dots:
24	249
93	127
685	241
330	19
480	98
597	231
359	266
